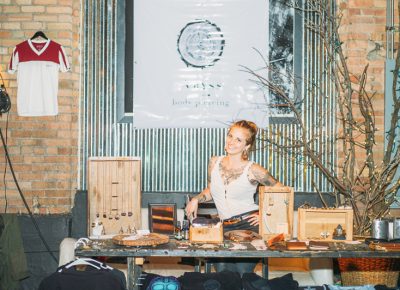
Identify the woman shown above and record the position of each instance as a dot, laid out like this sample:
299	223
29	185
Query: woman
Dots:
232	183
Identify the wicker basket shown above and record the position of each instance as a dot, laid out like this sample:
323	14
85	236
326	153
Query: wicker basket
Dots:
373	271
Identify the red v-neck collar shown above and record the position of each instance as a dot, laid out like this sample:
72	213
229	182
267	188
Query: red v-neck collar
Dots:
47	42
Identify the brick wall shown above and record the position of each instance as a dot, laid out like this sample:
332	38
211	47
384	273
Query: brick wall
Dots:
364	36
43	150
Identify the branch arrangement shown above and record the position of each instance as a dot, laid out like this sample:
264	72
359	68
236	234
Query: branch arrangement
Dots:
360	179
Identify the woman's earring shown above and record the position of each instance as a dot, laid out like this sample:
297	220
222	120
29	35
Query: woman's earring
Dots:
245	154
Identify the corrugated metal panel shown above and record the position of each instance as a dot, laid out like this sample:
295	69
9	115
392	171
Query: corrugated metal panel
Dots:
175	160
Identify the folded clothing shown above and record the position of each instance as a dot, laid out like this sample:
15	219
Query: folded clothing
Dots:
150	281
225	280
251	281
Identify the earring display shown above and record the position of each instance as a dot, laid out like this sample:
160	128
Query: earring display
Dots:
114	196
276	211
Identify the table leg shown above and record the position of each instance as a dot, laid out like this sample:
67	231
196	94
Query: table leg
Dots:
265	268
197	264
134	272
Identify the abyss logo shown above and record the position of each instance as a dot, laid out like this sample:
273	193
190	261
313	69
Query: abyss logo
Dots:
200	43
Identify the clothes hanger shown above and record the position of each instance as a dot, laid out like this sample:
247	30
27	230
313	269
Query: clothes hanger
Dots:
39	34
83	261
99	263
88	261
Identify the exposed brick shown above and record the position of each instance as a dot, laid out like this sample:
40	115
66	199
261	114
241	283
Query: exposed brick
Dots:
65	18
10	26
23	2
45	18
32	25
59	9
32	9
45	2
59	26
10	9
361	3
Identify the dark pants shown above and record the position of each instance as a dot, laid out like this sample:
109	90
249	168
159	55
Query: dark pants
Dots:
240	265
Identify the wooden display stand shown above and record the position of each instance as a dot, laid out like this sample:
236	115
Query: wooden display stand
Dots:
276	211
320	224
114	197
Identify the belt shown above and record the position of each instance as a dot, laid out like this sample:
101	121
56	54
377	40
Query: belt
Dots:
238	218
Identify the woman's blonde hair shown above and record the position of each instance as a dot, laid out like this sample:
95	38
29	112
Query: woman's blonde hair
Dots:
252	128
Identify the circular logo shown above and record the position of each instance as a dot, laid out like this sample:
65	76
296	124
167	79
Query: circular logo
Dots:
200	43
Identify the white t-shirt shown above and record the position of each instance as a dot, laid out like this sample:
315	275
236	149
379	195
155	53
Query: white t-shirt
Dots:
235	198
38	64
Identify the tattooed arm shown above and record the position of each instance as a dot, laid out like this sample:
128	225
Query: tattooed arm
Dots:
205	195
258	174
261	175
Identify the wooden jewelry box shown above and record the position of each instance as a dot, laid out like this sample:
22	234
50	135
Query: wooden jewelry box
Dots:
207	234
322	224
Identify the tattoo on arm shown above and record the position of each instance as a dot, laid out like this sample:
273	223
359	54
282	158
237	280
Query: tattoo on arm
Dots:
263	176
211	164
205	195
201	198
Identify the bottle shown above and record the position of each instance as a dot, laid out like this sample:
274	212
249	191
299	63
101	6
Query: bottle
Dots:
178	231
185	229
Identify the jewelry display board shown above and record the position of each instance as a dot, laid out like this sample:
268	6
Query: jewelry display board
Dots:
114	196
276	211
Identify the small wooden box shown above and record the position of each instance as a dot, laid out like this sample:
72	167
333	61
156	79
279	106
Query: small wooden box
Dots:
205	234
320	224
276	211
114	197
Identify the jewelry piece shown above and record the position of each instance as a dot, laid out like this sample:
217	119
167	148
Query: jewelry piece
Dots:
103	198
245	154
123	198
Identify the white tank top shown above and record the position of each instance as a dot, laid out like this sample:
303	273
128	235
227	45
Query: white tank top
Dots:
235	198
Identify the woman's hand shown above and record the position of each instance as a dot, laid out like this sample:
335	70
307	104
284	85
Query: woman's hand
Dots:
191	207
253	219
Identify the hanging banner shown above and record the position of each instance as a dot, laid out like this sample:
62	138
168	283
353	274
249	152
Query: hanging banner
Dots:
187	62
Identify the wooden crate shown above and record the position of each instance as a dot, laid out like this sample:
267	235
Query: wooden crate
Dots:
276	211
320	224
114	196
206	234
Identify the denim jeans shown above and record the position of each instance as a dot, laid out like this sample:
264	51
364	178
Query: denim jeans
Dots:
240	265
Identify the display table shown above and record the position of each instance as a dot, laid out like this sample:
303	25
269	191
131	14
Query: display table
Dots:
177	249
